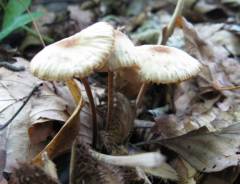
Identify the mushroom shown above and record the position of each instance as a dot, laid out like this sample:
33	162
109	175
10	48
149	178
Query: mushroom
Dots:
163	64
77	56
122	57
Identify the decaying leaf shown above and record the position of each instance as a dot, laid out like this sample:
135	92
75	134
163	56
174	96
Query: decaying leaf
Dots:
208	151
66	135
44	107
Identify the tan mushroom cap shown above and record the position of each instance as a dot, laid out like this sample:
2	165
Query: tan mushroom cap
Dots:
163	64
123	54
76	56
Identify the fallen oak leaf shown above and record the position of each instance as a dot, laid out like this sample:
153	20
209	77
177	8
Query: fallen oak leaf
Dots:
208	151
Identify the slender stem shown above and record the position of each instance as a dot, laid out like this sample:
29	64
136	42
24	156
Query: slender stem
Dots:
110	99
141	94
66	134
93	110
170	28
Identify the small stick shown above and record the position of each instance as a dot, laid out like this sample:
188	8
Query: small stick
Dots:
222	88
170	27
19	110
110	99
93	109
141	93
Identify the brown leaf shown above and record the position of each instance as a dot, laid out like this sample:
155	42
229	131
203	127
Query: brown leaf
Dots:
66	135
208	151
44	106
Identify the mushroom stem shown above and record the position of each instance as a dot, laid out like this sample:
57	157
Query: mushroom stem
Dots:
140	96
64	138
110	99
93	110
148	160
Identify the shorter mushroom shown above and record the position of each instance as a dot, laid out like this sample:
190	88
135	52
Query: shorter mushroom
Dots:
162	65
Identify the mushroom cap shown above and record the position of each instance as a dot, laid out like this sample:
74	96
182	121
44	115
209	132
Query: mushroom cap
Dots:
163	64
123	54
76	56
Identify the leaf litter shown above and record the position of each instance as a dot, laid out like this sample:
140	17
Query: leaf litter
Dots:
202	134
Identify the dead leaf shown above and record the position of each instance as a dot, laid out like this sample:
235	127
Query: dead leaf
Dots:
208	151
66	135
44	106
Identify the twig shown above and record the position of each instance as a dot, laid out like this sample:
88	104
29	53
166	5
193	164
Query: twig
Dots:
19	110
168	31
141	93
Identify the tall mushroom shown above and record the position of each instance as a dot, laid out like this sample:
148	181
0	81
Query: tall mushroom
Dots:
77	56
123	56
163	64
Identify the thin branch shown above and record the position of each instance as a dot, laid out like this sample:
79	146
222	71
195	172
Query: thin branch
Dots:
19	110
168	31
141	94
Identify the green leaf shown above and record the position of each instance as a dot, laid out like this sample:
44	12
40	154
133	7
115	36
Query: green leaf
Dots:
19	22
14	9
